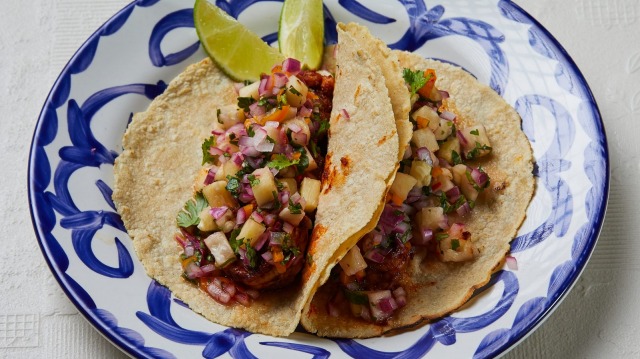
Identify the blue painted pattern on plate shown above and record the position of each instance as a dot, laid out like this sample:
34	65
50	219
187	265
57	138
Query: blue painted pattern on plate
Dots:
71	160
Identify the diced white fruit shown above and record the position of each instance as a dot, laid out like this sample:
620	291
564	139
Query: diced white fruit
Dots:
312	163
298	95
461	178
251	231
426	112
264	190
353	262
229	168
293	218
198	184
310	191
220	249
250	91
457	246
476	142
401	186
431	217
425	138
442	182
289	184
443	130
230	115
218	196
448	147
207	222
421	171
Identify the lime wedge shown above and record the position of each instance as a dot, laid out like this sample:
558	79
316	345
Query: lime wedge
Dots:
301	32
240	53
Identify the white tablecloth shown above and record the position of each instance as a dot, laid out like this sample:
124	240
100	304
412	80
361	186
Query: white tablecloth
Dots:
600	318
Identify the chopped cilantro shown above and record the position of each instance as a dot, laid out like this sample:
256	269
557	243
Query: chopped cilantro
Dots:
206	145
233	186
441	236
252	255
218	116
455	244
426	190
190	215
233	139
475	152
294	91
455	157
303	162
245	102
269	139
281	162
276	201
323	127
250	131
253	181
415	79
309	258
234	241
475	132
294	208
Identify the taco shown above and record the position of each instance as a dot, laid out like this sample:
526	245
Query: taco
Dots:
457	200
218	184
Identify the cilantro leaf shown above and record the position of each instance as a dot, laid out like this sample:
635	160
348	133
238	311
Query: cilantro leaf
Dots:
252	255
234	241
245	102
294	208
303	161
218	112
475	132
455	244
455	157
281	162
253	181
206	145
233	186
415	79
190	214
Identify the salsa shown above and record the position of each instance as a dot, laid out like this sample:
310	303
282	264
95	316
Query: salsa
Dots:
435	189
247	226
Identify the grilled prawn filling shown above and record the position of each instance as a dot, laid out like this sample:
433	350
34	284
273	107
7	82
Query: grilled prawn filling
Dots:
435	188
246	229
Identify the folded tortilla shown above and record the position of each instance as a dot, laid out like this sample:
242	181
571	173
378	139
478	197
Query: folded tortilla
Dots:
438	288
162	155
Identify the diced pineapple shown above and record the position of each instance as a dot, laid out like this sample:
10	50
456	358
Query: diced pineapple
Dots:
425	138
198	184
312	163
230	115
353	262
218	196
443	130
310	191
293	218
476	142
447	149
231	168
296	91
251	231
250	91
401	187
426	112
421	171
431	217
289	184
461	176
265	189
207	222
220	249
302	137
443	181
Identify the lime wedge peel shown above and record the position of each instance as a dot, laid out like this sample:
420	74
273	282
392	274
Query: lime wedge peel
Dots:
301	31
239	52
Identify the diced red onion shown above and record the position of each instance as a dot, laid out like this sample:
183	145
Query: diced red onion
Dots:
453	194
261	241
400	296
189	251
216	291
279	79
237	158
407	153
424	154
215	151
402	227
208	268
444	222
265	146
426	235
180	241
267	256
333	309
388	305
287	227
241	216
217	132
291	66
211	175
218	212
464	209
295	198
294	127
270	219
245	197
345	114
375	255
193	271
461	138
512	263
266	84
284	197
257	217
448	115
256	110
443	94
479	177
304	111
242	298
254	294
238	130
300	138
273	124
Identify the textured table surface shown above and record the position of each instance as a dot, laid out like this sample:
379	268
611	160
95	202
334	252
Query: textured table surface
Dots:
600	318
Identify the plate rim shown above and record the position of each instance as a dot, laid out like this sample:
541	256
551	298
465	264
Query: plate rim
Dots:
126	347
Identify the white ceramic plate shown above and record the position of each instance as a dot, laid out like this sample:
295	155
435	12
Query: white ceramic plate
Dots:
131	58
